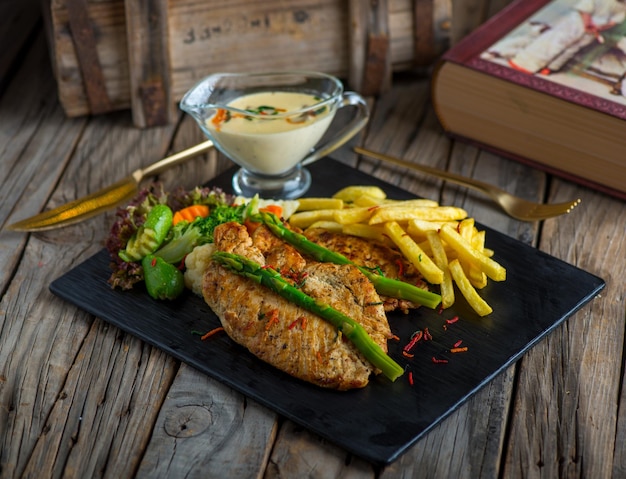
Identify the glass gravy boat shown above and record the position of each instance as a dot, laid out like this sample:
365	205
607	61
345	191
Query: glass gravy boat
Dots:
272	124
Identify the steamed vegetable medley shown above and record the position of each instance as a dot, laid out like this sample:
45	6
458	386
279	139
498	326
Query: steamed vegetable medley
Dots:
152	235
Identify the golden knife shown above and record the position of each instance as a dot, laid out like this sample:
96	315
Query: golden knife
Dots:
104	199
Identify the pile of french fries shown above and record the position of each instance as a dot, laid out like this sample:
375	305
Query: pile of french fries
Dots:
441	241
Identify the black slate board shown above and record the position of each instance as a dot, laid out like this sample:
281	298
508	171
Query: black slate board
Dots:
379	422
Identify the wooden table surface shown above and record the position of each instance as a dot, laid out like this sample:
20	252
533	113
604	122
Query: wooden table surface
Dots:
79	398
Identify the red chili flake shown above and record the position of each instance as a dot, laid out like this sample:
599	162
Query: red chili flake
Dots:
272	319
458	343
440	309
427	335
153	262
394	337
458	350
211	333
400	268
373	208
439	361
303	323
407	355
452	320
417	335
411	378
296	321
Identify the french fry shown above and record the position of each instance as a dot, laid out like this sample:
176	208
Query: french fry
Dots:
469	233
419	228
477	303
414	253
375	233
304	219
368	201
346	216
398	214
491	268
441	260
350	193
477	277
466	228
415	203
331	226
308	204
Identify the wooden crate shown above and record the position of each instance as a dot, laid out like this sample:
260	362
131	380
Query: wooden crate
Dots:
144	54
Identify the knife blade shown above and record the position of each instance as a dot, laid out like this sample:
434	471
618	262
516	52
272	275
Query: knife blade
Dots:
104	199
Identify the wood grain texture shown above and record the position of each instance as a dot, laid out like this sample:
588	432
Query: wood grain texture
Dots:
79	398
572	380
149	63
207	430
151	53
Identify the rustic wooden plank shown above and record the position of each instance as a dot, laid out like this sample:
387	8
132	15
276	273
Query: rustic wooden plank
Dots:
205	429
107	398
109	19
149	63
619	460
377	71
569	386
50	343
357	12
83	33
298	453
36	141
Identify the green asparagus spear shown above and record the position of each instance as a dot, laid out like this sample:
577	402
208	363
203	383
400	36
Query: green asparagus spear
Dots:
385	286
349	327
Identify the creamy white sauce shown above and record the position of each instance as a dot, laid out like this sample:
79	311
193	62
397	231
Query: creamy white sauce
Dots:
271	146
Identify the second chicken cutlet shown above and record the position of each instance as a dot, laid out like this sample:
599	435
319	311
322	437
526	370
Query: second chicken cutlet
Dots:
373	255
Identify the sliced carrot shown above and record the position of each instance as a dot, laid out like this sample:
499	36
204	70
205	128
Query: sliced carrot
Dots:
251	226
276	209
219	117
190	213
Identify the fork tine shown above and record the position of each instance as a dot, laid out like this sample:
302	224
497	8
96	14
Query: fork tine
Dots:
551	210
567	207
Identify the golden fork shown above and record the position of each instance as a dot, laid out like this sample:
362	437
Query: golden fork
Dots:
514	206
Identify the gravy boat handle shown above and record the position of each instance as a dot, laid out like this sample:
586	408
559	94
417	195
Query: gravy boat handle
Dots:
347	132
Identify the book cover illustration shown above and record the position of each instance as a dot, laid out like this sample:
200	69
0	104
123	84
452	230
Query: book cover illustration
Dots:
572	49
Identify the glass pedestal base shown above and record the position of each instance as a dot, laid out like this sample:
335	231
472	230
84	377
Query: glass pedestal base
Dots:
288	186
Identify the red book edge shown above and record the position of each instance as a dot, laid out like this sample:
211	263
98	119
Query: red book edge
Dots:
467	52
